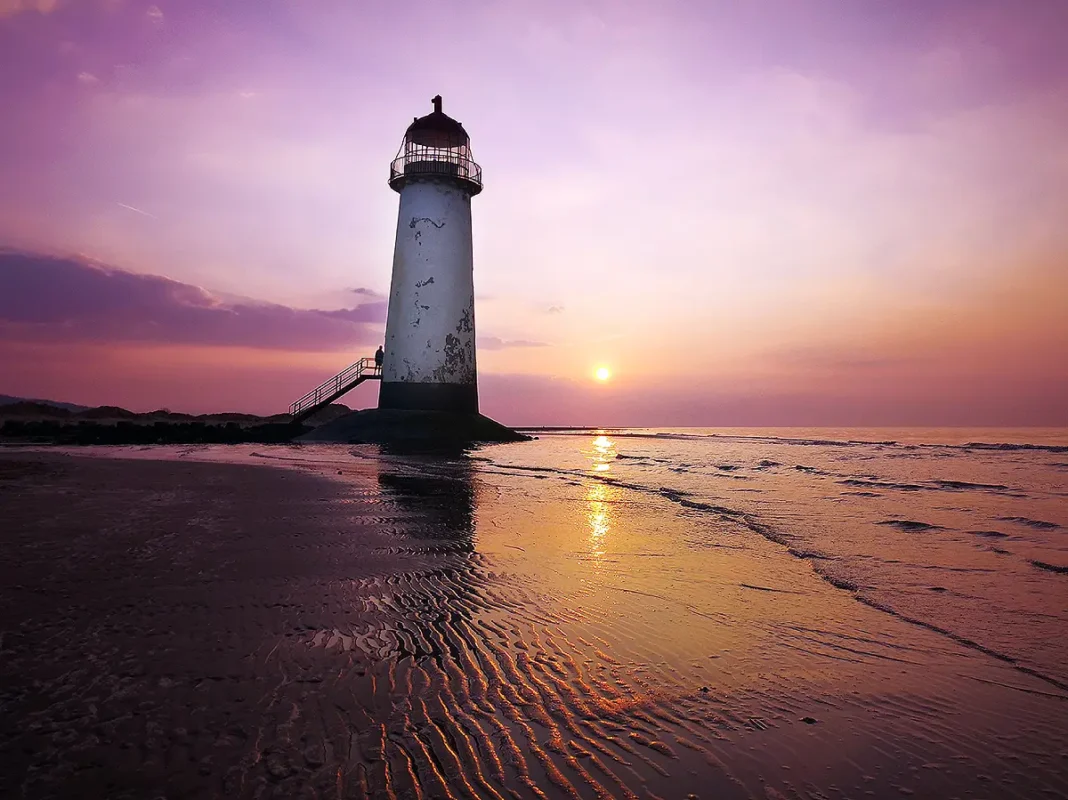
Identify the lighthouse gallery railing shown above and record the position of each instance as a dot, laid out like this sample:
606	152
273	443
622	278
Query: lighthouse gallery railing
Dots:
435	161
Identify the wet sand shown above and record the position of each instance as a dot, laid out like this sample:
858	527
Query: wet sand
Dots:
407	629
155	619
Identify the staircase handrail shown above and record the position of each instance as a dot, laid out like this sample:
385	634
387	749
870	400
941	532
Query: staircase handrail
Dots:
334	384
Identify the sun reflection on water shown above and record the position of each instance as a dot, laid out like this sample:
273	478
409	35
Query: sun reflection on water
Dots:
602	454
600	495
599	515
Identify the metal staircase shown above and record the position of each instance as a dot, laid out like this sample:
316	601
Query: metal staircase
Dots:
344	381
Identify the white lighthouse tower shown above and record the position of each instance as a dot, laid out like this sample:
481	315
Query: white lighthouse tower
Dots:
429	362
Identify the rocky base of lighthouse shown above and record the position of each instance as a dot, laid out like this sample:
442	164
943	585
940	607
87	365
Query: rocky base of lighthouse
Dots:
413	429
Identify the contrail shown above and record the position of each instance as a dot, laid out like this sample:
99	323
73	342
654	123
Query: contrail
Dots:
139	211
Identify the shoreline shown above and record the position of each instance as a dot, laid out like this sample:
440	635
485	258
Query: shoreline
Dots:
421	626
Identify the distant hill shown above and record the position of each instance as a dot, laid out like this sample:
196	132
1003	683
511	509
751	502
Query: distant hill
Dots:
6	400
16	408
107	412
43	423
28	408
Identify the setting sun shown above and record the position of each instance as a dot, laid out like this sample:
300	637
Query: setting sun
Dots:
602	373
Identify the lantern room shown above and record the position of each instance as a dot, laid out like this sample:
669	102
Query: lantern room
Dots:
436	146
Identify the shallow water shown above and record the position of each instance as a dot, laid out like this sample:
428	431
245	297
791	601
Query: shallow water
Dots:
962	531
805	613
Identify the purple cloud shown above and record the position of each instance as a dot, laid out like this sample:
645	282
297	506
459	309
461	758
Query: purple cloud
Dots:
45	298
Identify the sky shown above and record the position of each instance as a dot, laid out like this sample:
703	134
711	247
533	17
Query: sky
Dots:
761	213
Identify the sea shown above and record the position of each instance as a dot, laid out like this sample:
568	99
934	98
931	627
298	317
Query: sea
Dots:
716	612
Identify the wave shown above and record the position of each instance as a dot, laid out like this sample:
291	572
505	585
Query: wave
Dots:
1050	567
1031	523
1046	448
624	433
997	487
931	485
910	525
872	484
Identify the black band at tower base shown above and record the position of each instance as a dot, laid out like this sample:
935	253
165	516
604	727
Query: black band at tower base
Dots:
459	398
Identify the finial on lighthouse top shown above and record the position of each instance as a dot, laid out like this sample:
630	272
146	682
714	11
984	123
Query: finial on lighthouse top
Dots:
436	147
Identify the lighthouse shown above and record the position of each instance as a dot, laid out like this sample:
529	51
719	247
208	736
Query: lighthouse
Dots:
428	395
429	359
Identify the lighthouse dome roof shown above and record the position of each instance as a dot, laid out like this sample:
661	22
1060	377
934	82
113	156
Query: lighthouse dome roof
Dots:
437	129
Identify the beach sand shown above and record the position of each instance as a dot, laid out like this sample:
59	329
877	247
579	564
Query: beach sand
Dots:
372	628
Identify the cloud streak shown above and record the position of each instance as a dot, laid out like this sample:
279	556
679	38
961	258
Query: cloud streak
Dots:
496	343
136	210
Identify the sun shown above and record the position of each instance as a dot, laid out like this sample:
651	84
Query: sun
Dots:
602	373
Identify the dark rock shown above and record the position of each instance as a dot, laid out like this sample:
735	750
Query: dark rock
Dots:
416	429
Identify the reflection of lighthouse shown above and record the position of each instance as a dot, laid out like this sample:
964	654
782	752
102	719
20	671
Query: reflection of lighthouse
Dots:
430	326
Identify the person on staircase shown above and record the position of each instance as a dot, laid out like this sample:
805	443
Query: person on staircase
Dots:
378	359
